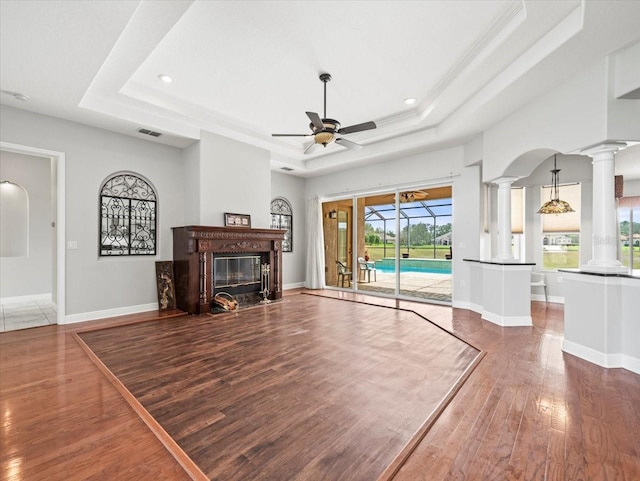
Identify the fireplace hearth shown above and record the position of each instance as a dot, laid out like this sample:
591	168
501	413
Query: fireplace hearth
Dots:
208	260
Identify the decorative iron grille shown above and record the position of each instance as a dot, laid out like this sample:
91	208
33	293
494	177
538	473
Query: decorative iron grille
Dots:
128	211
282	218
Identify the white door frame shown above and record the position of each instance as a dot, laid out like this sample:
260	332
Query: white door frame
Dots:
59	159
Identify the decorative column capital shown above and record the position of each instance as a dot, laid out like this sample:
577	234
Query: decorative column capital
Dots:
504	180
603	150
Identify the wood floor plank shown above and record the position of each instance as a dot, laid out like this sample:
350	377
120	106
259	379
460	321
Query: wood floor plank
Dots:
362	378
87	430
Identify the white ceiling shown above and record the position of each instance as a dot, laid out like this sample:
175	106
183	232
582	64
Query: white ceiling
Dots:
249	69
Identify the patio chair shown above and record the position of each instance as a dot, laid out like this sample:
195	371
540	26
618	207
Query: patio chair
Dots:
343	272
450	254
365	269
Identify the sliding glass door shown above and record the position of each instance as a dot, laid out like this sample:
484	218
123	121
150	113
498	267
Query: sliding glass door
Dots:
376	238
397	248
425	243
337	223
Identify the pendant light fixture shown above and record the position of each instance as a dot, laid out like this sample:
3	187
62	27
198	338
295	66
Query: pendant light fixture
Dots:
555	205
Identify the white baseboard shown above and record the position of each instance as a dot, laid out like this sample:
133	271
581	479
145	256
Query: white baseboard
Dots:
631	363
295	285
507	321
609	361
554	299
32	297
118	311
470	306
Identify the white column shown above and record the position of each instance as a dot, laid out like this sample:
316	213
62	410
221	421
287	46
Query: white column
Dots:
603	225
504	219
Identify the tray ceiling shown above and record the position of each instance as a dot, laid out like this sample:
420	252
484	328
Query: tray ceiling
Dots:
248	69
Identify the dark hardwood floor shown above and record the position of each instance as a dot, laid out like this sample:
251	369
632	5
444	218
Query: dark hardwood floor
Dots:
527	412
308	388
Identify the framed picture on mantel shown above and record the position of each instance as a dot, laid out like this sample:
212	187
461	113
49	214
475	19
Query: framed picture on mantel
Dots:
237	220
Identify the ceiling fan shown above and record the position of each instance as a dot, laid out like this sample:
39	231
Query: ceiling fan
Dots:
325	130
413	196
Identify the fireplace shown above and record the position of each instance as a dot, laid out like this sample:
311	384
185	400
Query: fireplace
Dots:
238	275
236	271
209	260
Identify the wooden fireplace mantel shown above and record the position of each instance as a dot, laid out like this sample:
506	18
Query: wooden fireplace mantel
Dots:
194	248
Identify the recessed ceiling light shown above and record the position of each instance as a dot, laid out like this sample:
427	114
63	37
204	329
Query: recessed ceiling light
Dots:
410	101
165	78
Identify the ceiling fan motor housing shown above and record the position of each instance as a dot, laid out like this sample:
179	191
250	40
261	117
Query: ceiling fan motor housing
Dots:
326	135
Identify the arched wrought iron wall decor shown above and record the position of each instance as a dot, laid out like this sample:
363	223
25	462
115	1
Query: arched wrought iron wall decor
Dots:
128	213
282	218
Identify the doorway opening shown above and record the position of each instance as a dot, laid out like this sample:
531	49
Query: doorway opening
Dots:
52	307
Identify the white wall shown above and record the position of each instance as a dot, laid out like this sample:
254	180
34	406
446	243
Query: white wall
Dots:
631	188
93	283
293	263
192	183
570	117
627	70
623	115
413	170
236	177
467	228
32	274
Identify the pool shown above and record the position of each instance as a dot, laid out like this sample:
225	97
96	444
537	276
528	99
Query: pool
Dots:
430	266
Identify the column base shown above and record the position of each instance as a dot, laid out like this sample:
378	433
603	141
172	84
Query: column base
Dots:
505	260
611	268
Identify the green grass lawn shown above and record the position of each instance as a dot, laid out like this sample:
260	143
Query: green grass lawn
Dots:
570	258
376	253
566	259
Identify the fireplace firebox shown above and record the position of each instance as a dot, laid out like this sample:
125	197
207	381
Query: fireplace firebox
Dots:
236	271
208	260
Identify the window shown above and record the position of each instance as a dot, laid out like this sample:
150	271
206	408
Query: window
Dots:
517	222
282	218
629	228
561	232
128	212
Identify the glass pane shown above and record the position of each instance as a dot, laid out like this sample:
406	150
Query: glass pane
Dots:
560	251
337	227
425	246
143	227
375	259
343	236
629	219
114	226
635	251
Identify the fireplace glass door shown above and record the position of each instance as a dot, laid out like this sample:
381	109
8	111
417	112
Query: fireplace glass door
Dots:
236	271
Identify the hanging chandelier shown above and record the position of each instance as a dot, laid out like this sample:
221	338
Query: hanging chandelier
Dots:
555	205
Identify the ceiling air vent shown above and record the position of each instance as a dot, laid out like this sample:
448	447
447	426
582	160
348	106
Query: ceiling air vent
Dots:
149	132
286	169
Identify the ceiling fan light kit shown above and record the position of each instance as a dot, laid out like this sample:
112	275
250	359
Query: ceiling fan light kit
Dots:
325	130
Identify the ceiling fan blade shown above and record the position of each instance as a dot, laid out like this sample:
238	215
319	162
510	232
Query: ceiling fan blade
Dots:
348	144
311	148
291	135
315	120
357	128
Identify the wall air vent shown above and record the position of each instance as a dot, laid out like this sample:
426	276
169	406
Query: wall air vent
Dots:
149	132
286	169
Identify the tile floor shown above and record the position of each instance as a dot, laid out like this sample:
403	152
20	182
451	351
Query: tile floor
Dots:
26	312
